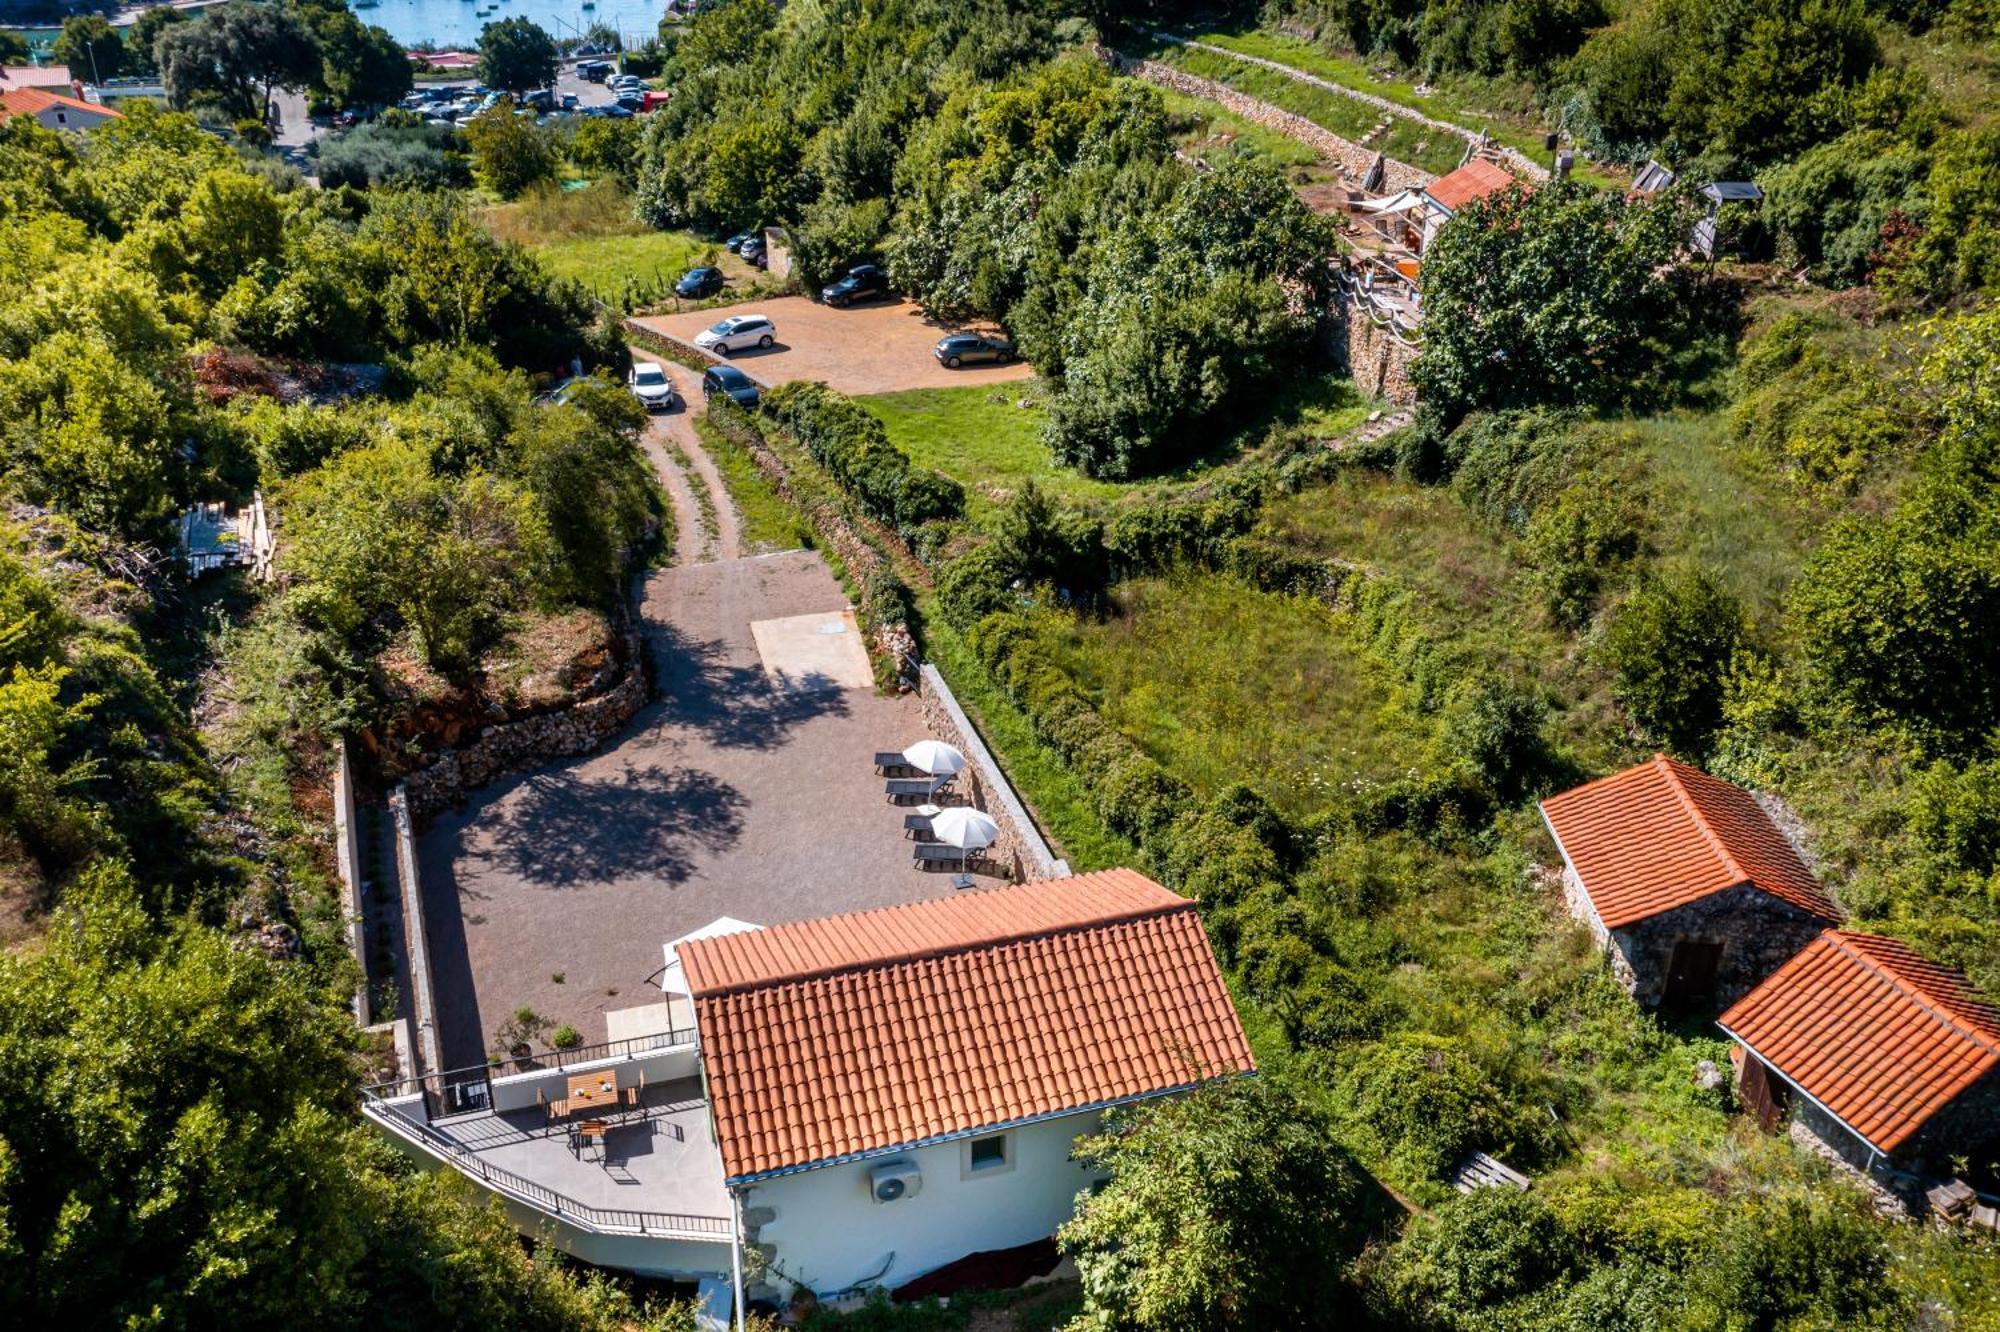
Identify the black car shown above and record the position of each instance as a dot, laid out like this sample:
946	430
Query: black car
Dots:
699	283
731	383
735	243
972	349
862	282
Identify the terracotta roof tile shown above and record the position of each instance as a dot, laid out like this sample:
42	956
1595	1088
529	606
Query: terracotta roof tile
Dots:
1663	834
1475	180
829	1038
1870	1030
31	101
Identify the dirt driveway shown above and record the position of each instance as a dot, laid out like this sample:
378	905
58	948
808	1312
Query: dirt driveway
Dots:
878	347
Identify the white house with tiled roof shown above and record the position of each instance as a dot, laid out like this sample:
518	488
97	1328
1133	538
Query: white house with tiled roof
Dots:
861	1100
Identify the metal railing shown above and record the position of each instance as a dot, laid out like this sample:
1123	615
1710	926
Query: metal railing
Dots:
600	1220
469	1090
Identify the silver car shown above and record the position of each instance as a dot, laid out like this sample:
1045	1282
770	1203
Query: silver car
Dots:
738	333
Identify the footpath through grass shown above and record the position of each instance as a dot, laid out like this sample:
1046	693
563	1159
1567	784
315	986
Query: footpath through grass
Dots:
766	522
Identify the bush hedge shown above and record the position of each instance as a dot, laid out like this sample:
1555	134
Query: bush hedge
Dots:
852	445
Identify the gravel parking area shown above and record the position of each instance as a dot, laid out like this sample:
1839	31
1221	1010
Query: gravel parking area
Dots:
878	347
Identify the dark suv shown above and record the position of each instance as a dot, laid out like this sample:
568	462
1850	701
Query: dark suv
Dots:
972	349
730	383
699	283
862	282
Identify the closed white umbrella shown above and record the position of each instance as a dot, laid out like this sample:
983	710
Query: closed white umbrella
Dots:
934	757
965	828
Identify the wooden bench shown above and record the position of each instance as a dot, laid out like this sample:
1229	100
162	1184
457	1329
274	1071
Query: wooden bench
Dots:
1480	1171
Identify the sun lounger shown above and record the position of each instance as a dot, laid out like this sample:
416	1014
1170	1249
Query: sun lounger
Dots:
936	853
903	788
919	824
891	762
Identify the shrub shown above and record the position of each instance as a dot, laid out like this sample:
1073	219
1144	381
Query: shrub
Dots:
1474	1253
1670	646
974	585
1423	1102
1587	532
852	445
566	1037
1818	1261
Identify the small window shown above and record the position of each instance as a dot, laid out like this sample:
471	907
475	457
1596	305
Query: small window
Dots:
989	1155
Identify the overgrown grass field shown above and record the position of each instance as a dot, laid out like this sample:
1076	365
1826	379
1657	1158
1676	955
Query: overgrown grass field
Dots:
591	236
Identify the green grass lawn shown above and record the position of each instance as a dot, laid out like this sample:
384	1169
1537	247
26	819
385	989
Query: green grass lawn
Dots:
1223	683
989	439
1455	101
1217	135
592	236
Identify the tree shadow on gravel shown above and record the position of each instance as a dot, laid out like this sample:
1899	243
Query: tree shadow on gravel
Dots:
650	821
732	706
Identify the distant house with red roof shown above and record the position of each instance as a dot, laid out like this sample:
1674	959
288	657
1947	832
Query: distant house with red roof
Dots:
1448	195
894	1090
1686	880
1874	1051
54	110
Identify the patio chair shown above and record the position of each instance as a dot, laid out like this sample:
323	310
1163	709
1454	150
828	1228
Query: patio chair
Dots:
936	853
589	1130
636	1096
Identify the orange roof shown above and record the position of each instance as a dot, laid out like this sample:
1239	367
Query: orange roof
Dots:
1475	180
868	1032
1663	834
33	101
1873	1032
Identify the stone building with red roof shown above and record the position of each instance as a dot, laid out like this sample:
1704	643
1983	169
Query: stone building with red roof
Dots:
1686	880
1877	1053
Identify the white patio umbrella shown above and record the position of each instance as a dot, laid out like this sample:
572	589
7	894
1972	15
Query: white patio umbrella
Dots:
965	828
934	757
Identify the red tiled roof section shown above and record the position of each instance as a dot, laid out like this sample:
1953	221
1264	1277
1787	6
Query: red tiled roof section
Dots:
829	1038
1870	1030
1663	834
1475	180
30	101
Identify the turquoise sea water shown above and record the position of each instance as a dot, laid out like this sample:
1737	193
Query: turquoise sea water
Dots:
448	24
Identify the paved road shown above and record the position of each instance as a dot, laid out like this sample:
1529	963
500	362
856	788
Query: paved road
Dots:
556	889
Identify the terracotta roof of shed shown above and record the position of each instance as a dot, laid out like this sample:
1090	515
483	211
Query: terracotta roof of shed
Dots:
868	1032
1663	834
1475	180
1870	1030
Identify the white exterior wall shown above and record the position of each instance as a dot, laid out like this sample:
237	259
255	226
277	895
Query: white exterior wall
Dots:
830	1233
70	118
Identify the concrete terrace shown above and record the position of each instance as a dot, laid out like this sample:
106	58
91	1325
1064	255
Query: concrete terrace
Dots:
731	796
658	1158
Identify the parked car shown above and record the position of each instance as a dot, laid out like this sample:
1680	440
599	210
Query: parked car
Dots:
863	281
615	111
651	386
735	243
737	333
699	283
594	71
732	384
630	102
752	250
569	102
972	349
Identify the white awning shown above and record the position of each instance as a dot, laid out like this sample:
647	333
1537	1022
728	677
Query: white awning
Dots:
1404	202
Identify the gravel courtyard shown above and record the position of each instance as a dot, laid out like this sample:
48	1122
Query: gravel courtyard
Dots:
875	347
728	797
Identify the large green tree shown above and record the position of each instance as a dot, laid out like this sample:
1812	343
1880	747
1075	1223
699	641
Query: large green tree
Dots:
238	56
91	47
1545	296
517	55
1230	1207
360	66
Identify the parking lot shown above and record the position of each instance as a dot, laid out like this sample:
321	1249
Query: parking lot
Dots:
879	347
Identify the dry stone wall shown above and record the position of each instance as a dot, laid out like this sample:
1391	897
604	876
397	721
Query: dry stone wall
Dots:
507	747
1353	160
1021	847
1377	360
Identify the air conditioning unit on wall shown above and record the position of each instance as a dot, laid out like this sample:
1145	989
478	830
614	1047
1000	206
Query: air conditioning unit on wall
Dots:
895	1181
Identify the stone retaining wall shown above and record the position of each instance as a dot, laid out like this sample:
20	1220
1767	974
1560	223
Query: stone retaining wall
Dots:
1515	161
1353	160
1021	847
508	747
1375	358
416	939
348	861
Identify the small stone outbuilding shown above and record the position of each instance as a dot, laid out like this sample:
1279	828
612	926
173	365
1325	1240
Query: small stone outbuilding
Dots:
1686	880
1875	1052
